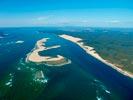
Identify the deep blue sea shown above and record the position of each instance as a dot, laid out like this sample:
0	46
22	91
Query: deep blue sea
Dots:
86	78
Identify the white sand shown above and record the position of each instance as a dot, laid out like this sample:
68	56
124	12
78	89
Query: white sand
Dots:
92	52
53	47
40	46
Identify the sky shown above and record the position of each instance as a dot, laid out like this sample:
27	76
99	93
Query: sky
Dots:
93	13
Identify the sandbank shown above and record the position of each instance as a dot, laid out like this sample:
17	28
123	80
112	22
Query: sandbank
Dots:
47	60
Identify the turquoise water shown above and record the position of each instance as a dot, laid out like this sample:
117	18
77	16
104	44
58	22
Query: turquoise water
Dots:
85	78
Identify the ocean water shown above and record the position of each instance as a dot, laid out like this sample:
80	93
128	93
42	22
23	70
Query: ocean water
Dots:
86	78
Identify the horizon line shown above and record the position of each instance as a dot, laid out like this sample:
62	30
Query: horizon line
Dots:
63	26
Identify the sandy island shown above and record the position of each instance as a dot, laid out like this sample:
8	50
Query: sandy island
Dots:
47	60
92	52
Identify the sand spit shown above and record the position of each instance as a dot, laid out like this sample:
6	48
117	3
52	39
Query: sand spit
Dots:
92	52
47	60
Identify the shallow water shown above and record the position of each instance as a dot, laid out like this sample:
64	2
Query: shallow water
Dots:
85	78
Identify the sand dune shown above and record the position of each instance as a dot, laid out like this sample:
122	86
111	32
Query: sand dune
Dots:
92	52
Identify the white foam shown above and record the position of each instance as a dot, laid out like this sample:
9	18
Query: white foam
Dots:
99	98
12	42
107	91
19	42
18	68
102	86
8	83
39	77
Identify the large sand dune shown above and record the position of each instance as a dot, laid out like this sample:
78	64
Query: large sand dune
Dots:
92	52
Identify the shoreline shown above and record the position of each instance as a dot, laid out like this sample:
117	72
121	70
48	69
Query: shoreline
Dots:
34	56
91	51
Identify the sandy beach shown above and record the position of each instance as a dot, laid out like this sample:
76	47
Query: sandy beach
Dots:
48	60
92	52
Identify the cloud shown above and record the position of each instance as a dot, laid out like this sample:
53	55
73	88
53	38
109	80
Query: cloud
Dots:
41	18
113	21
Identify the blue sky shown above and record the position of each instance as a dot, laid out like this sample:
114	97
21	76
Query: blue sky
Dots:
95	13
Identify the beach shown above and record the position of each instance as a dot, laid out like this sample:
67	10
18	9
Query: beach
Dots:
92	52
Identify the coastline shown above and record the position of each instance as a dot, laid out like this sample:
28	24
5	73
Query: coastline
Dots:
92	52
34	56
